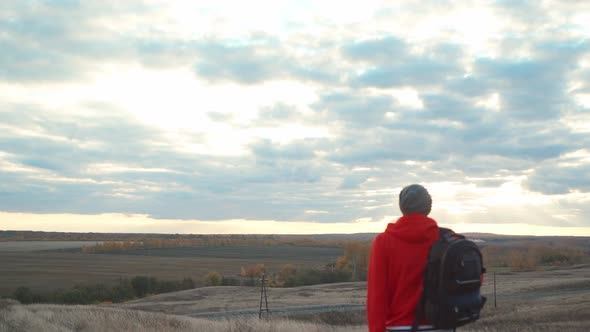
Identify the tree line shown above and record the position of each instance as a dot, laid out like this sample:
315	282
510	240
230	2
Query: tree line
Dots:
351	266
207	241
124	290
524	258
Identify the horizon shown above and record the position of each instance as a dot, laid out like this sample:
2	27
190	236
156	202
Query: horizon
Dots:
273	234
289	116
225	229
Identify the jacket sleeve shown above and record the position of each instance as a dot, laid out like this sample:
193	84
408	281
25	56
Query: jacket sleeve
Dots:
377	306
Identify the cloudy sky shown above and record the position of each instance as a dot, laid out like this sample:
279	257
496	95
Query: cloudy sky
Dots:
293	116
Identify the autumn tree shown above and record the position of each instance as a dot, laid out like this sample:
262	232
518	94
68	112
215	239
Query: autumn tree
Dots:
355	259
213	278
252	271
522	260
287	272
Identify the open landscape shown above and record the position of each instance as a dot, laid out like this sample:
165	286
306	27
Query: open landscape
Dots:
551	291
45	266
47	270
556	299
165	165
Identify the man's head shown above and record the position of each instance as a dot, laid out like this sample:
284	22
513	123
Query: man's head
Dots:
415	199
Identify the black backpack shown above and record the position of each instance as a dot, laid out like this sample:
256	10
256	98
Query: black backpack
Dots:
452	280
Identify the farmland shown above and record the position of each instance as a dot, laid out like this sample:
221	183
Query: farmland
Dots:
47	270
311	255
45	266
557	299
32	246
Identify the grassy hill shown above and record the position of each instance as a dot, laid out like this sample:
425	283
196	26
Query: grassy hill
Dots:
55	318
548	300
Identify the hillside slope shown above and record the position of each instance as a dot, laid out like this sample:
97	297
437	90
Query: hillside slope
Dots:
15	317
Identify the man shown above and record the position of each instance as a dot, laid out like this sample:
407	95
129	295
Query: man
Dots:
397	262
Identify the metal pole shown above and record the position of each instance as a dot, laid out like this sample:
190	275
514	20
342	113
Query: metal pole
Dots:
263	296
495	303
261	291
266	302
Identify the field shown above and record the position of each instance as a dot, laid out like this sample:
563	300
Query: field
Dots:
303	255
552	300
557	299
511	286
32	246
62	267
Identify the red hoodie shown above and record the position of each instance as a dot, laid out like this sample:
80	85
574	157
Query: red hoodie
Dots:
398	259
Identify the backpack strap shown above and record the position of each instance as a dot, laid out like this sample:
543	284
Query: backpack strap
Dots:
445	233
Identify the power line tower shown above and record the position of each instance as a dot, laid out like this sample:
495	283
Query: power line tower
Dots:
263	295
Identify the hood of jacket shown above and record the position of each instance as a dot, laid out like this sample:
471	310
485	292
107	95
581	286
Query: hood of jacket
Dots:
414	228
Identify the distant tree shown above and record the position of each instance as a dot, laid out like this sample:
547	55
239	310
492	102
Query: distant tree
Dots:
213	278
522	260
286	274
73	296
355	259
166	286
229	281
252	271
187	283
123	291
24	295
143	285
304	277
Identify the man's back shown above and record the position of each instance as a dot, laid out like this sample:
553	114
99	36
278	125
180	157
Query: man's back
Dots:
398	259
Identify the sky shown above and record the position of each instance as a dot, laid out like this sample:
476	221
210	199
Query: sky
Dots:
293	116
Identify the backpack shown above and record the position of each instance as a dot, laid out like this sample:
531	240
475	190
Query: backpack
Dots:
452	280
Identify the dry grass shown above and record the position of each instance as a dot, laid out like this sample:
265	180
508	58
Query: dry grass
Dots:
50	318
236	297
564	313
555	279
568	312
557	313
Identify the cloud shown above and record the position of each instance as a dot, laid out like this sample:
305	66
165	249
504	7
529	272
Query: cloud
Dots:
61	41
242	63
568	173
329	117
297	151
382	50
389	62
255	60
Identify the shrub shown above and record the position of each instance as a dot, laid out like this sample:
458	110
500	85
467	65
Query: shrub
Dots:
167	286
314	277
143	285
522	261
187	283
229	281
87	294
123	291
23	295
213	278
73	296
